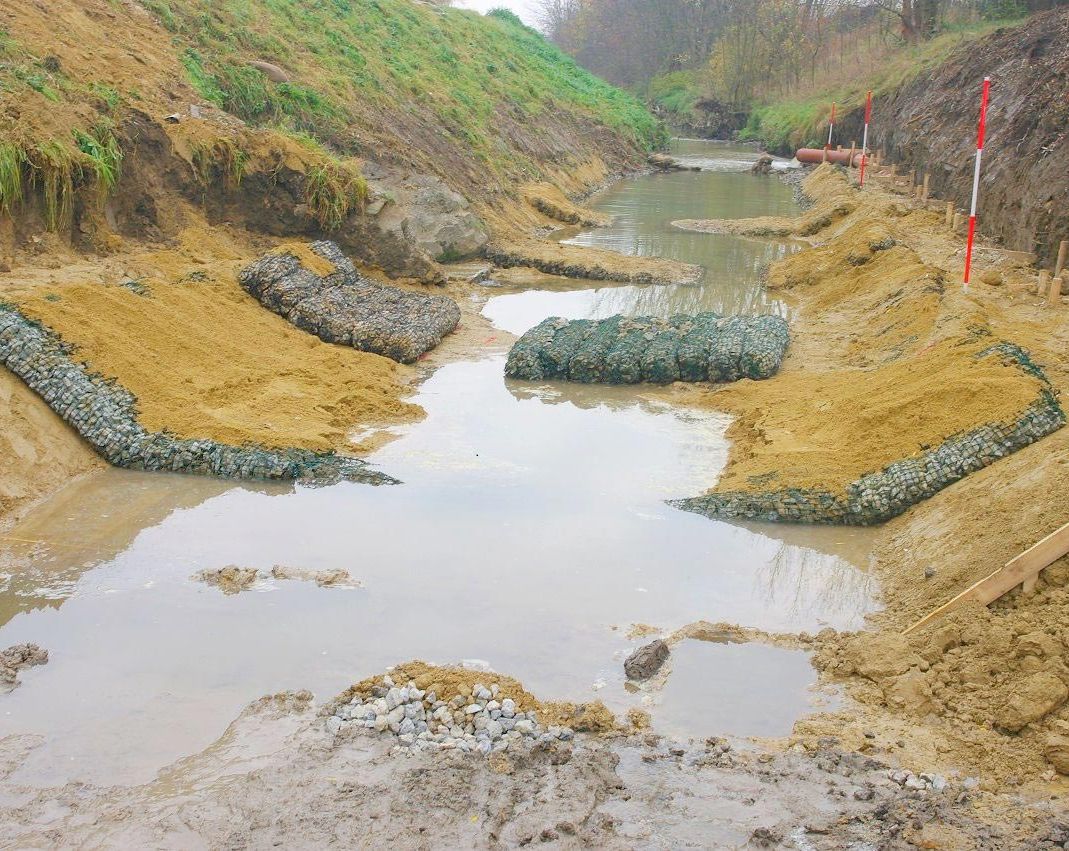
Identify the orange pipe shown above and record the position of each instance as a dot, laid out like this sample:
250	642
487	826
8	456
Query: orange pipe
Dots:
816	155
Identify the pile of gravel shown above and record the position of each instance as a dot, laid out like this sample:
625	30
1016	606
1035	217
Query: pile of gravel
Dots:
480	722
105	414
347	308
622	350
882	495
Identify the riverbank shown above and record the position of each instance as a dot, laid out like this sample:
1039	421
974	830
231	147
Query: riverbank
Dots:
876	305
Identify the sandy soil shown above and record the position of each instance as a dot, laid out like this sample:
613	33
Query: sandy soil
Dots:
276	778
232	371
882	363
38	452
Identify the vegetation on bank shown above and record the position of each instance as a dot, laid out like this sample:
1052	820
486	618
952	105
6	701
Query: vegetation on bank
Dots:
343	55
801	120
430	87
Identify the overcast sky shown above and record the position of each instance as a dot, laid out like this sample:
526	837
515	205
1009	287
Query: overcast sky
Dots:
524	8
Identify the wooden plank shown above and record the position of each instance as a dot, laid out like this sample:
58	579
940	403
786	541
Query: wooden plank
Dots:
1024	569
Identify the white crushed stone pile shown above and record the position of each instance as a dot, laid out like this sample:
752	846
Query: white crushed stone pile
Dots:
479	722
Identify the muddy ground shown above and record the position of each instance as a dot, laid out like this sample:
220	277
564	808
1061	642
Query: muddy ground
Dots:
277	778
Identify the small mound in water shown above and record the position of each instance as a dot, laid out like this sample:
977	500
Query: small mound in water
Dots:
233	579
454	709
321	292
14	659
620	350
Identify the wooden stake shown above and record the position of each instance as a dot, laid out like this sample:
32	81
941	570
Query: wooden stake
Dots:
824	155
924	193
894	169
1054	297
853	147
1022	569
1063	251
950	214
1041	286
956	227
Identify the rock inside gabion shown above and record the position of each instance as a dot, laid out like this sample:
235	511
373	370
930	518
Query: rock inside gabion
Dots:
623	350
105	414
480	722
880	496
346	308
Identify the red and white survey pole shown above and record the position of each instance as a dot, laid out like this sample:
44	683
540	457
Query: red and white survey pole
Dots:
976	180
831	125
865	138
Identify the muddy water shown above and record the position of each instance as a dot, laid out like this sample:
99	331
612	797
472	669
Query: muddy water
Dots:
530	533
643	209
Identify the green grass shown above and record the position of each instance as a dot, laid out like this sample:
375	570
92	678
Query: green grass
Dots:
676	92
103	154
334	189
445	65
56	168
12	166
802	121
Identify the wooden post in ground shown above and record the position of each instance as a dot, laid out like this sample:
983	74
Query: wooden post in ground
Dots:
1054	297
950	214
1022	570
1041	285
912	179
853	147
894	170
1063	254
824	156
924	193
956	227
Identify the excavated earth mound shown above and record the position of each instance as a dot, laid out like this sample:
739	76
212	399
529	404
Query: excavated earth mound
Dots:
325	295
622	350
105	414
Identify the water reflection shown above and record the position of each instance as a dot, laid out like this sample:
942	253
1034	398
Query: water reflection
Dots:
43	556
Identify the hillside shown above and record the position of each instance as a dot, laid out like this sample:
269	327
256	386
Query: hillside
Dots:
280	113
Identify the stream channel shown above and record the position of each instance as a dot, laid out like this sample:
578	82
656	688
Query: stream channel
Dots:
530	534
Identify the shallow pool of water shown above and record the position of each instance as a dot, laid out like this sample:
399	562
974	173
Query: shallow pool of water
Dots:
703	697
530	532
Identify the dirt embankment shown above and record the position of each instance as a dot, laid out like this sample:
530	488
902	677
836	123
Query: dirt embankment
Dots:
881	365
930	125
883	359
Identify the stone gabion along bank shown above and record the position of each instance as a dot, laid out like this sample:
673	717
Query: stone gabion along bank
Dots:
348	309
878	497
479	722
105	414
620	350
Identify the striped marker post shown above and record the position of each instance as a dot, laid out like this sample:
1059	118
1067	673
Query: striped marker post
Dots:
831	125
976	181
865	138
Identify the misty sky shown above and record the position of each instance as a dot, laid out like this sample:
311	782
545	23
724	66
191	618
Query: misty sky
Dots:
524	8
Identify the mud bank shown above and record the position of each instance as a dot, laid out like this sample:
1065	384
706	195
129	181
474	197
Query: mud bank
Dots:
276	763
38	452
106	416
